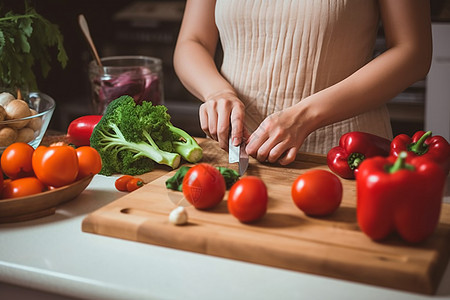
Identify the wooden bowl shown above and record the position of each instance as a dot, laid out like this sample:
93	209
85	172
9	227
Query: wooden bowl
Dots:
40	205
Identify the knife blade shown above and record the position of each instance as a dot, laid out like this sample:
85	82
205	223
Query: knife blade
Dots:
233	152
237	154
243	160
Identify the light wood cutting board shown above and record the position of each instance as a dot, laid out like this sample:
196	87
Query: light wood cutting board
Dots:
285	238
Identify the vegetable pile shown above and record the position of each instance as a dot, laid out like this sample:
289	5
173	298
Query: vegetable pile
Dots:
29	171
399	190
399	185
22	130
132	137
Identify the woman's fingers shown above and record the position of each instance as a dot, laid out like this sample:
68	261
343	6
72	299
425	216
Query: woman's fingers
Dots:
220	113
237	124
277	139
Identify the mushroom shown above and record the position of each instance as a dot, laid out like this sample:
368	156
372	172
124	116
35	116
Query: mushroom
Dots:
17	109
8	136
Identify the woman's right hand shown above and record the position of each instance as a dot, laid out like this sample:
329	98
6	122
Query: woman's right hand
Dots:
218	113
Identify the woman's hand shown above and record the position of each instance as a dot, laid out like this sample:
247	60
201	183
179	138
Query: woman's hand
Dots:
278	137
220	112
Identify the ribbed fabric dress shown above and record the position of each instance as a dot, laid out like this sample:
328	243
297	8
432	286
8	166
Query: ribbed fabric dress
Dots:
277	52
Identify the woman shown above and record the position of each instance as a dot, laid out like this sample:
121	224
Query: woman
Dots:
297	74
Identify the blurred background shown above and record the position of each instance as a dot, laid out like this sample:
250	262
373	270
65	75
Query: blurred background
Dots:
150	28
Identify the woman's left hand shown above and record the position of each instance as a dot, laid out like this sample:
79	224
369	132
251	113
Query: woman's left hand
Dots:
278	137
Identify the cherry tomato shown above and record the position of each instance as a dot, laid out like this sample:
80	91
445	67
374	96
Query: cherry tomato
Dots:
121	182
247	199
56	165
89	161
80	130
134	184
16	160
203	186
317	192
22	187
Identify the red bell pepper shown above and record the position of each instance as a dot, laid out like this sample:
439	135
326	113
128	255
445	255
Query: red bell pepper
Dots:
396	196
353	148
423	144
80	130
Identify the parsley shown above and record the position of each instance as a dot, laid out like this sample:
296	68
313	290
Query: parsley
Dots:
24	41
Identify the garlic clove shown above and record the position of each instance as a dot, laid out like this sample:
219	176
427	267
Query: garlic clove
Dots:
178	216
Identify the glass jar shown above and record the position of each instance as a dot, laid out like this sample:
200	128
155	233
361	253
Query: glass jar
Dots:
137	76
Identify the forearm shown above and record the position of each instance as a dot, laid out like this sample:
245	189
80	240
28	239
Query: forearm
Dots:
407	60
196	69
368	88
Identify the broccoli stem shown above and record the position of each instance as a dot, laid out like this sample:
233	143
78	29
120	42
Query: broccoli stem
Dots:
117	140
189	148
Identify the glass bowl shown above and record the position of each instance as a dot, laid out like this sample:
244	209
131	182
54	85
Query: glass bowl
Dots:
29	129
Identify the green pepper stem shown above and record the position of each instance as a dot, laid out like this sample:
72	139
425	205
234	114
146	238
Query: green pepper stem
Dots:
400	163
420	147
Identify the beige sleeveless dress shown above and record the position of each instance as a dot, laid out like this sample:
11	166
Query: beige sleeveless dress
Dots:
277	52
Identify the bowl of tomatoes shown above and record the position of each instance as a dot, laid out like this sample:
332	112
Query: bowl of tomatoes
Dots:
35	181
41	204
24	117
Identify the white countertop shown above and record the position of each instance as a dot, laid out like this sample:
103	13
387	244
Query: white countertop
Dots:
53	255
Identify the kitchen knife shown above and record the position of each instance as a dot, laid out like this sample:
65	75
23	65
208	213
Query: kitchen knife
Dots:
238	154
243	159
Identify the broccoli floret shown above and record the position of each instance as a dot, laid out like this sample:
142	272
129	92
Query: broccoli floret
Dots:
125	143
131	138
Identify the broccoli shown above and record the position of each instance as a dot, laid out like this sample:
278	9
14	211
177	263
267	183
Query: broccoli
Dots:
185	145
131	138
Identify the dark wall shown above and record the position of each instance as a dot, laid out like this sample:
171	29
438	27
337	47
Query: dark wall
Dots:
70	86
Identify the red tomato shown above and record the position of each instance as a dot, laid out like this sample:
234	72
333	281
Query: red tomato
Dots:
317	192
56	165
203	186
16	160
80	130
121	182
247	199
89	161
22	187
134	184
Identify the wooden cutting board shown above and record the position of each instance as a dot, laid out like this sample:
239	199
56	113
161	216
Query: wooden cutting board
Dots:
285	238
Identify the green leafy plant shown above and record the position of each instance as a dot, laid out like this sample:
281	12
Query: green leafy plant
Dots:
25	40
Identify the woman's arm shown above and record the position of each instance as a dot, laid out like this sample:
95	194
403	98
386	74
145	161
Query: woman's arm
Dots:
407	59
195	66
